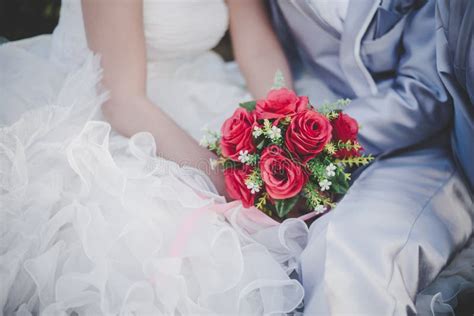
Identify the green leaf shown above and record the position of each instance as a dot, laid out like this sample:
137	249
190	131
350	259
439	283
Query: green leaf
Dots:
327	107
261	144
340	185
278	80
229	164
283	207
249	106
339	188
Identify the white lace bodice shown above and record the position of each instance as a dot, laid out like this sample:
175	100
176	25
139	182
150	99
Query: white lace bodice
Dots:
184	77
173	29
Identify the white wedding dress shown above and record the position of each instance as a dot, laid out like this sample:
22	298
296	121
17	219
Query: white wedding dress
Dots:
93	223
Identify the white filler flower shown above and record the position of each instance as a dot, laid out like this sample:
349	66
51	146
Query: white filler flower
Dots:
204	142
274	133
331	170
319	209
214	163
325	184
244	156
253	187
257	131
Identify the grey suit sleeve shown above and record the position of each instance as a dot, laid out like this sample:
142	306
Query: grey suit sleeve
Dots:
455	56
416	107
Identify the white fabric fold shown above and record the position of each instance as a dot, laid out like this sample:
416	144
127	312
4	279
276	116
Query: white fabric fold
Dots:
96	223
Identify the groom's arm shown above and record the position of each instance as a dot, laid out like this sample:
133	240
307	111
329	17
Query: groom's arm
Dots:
256	47
416	107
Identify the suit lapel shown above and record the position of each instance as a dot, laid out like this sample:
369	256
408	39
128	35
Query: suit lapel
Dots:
359	16
306	9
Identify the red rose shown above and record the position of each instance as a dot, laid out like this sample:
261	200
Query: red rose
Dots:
307	134
237	134
282	177
280	103
345	128
236	187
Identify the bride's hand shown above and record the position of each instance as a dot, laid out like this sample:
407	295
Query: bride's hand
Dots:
130	115
125	114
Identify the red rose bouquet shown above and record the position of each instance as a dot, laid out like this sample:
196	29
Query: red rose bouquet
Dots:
280	153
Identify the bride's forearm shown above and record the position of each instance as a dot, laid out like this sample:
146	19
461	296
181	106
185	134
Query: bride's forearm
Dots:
138	114
256	46
115	31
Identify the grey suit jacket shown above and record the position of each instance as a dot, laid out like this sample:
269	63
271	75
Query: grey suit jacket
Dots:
455	54
384	60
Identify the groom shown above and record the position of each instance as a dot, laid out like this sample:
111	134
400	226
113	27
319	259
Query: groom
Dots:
409	211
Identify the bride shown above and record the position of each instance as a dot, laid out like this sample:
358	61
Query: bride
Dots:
105	204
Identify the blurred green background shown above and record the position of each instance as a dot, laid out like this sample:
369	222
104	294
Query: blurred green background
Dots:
26	18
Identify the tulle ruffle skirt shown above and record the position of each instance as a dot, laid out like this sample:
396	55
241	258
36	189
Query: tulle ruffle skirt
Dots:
95	223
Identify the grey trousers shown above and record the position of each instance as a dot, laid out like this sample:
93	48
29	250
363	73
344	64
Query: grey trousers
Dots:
400	223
